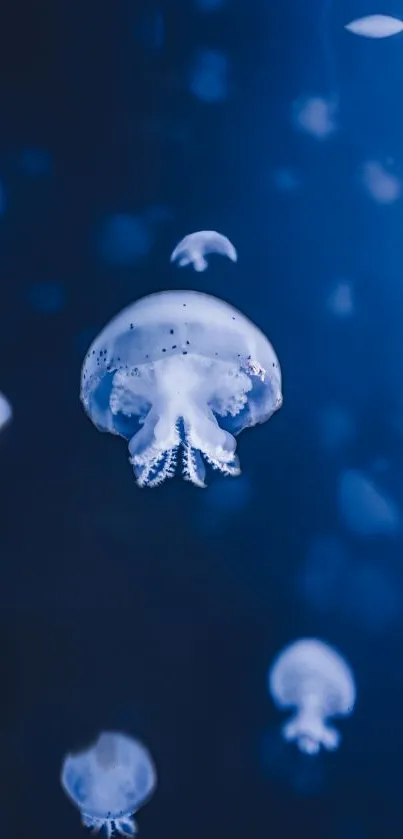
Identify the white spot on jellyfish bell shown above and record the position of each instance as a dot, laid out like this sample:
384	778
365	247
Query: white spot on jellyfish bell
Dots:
180	371
375	26
314	678
109	782
193	249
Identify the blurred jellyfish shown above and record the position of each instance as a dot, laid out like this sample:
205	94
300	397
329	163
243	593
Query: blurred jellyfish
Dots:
3	200
286	180
336	428
375	26
6	411
208	77
314	678
124	239
315	115
194	247
35	162
149	29
364	509
109	782
332	582
175	363
340	302
47	298
209	5
322	579
382	186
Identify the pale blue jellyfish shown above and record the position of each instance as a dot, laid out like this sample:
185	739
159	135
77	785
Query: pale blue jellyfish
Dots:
315	679
196	246
180	372
109	782
208	77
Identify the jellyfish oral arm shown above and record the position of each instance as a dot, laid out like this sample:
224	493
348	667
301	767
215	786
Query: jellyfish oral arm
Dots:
125	826
182	417
311	732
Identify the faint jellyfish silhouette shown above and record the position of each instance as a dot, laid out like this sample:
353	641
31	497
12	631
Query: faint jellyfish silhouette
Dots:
285	179
322	579
124	239
6	411
336	428
383	186
47	298
194	248
375	26
315	115
35	162
209	5
315	679
192	371
109	782
208	77
341	302
365	510
3	200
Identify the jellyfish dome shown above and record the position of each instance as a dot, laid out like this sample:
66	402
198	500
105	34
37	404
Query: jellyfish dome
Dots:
196	246
109	782
314	678
180	372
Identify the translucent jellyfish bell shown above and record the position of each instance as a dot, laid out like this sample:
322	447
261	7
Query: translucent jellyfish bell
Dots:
194	248
109	782
192	371
315	679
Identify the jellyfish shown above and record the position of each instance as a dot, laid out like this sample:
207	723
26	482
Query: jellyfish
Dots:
109	782
194	247
6	411
375	26
180	372
315	679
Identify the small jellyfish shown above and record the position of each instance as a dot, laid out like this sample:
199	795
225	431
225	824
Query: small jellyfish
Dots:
194	247
315	679
191	371
109	782
6	411
375	26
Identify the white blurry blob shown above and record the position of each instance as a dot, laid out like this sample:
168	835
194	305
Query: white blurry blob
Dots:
340	301
193	249
286	180
208	76
6	411
315	115
382	186
47	298
336	428
364	509
314	678
333	583
35	162
124	239
109	782
375	26
192	371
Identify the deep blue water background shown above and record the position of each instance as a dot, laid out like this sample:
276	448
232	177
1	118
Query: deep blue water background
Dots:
159	612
